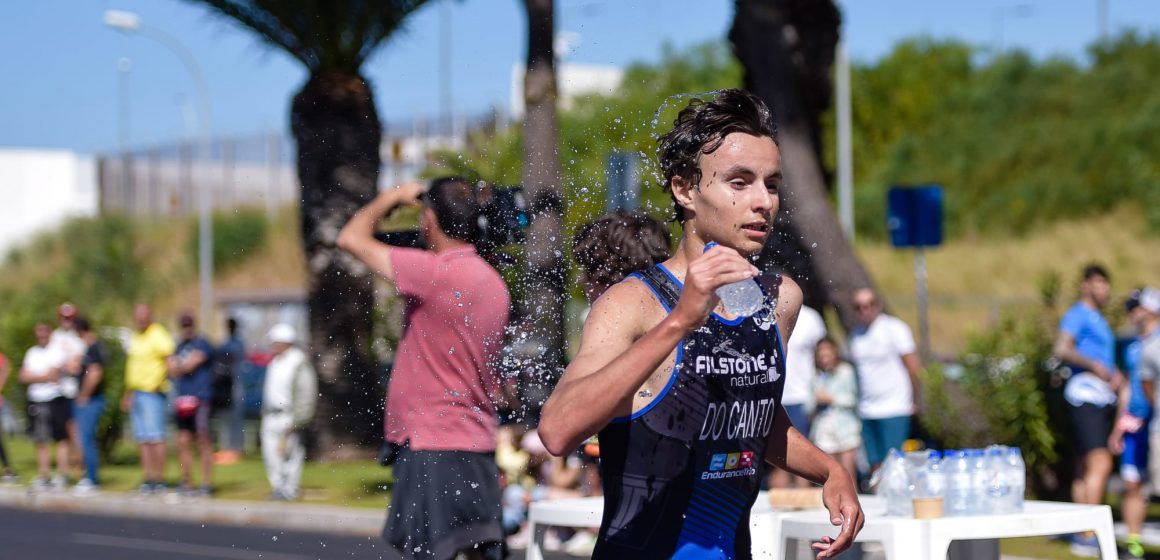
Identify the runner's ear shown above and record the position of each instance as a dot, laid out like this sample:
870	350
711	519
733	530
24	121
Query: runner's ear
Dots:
683	192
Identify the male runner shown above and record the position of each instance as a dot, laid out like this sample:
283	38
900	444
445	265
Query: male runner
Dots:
685	397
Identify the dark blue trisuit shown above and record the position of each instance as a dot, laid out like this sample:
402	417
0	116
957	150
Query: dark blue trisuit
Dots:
681	474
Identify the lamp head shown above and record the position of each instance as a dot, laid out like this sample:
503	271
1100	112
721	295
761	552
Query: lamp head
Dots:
126	22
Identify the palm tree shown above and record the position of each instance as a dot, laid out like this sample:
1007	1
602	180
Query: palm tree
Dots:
337	130
786	48
543	302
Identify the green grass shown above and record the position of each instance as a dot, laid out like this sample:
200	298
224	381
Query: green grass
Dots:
356	484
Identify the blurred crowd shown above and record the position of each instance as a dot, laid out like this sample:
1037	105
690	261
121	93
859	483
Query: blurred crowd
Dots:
178	390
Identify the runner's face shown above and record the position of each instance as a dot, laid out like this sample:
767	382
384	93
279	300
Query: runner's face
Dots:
737	200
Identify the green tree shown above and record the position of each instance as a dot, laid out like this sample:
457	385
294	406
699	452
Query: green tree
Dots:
337	130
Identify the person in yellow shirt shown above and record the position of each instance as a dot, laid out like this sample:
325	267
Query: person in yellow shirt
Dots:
146	385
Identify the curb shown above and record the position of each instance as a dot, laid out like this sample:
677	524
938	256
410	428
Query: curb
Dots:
171	507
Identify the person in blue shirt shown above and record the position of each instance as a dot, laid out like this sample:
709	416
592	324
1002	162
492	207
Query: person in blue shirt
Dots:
1131	433
1086	344
191	369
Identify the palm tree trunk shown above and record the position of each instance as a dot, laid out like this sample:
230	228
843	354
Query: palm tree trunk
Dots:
543	302
337	130
787	50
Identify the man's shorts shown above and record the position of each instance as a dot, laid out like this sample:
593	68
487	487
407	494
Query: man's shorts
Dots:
1134	459
48	421
194	419
148	417
1091	425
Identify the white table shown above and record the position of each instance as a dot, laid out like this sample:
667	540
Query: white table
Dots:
905	538
764	522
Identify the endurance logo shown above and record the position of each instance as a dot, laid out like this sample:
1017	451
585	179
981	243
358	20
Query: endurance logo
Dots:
730	465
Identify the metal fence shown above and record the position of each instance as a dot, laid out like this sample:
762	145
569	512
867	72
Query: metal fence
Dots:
259	170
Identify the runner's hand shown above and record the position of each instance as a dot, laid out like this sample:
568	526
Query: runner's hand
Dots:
840	498
712	269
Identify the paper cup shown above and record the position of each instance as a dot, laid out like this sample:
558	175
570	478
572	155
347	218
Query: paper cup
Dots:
928	508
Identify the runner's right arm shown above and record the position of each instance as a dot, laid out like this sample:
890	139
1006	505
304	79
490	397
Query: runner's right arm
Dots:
619	350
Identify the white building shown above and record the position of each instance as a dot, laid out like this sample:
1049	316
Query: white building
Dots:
40	189
572	81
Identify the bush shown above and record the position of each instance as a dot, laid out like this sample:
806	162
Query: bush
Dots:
235	237
1009	392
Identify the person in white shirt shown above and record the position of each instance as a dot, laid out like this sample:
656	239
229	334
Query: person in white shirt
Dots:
798	395
289	396
66	342
48	409
884	355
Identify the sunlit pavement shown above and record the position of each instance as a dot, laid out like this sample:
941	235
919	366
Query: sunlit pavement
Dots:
119	523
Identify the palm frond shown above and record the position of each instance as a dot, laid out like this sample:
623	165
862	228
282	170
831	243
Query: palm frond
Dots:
324	35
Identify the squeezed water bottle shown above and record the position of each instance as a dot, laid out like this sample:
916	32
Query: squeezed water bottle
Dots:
740	299
1016	474
998	482
958	472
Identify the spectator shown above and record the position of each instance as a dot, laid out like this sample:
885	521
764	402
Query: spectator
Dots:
1086	345
67	343
231	356
836	428
146	385
90	404
800	371
883	351
9	476
617	244
1130	434
48	409
440	413
191	370
289	396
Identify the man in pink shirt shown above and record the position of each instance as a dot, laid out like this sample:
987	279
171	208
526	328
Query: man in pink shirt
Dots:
440	411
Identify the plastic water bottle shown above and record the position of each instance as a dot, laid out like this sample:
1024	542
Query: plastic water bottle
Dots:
978	501
895	485
740	299
998	482
958	473
1017	478
932	480
915	465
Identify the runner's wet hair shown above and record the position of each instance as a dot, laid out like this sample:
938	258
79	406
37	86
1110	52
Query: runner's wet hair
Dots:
617	244
702	126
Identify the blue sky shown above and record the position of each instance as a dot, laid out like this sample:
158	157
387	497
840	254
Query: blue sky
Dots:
60	63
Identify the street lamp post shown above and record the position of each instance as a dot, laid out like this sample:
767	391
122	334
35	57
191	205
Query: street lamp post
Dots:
128	22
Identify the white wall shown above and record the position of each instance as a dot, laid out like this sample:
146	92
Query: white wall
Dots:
40	189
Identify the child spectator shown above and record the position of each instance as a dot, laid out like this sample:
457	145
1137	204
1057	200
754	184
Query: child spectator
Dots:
837	430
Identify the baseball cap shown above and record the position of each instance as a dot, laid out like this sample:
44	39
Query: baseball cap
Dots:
282	333
1146	297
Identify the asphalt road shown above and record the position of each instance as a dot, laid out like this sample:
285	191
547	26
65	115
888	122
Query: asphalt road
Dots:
37	535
